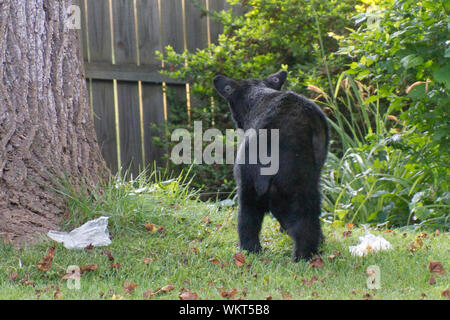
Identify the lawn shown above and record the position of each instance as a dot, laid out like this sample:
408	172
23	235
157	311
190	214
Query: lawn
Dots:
166	245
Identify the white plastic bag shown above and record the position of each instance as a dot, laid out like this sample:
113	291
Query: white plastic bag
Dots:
369	243
94	232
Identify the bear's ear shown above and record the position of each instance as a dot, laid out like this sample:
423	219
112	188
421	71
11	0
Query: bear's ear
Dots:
276	80
225	86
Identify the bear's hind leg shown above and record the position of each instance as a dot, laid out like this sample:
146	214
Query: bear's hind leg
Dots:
306	233
250	218
299	216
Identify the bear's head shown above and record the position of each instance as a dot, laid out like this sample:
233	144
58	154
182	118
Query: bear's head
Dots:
242	94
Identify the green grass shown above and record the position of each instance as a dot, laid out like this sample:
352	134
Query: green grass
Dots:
194	234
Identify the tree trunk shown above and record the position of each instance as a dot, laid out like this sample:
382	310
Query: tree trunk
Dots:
45	125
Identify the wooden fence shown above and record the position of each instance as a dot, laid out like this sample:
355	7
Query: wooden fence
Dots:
127	93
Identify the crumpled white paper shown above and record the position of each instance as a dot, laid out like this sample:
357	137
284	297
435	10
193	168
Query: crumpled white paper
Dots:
369	243
93	232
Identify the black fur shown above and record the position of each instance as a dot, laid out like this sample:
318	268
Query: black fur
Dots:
291	195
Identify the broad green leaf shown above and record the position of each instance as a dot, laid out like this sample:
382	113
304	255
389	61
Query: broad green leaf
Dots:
411	61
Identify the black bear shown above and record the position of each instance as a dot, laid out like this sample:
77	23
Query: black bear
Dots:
292	193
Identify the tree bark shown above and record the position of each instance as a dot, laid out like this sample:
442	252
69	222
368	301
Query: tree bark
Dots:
46	130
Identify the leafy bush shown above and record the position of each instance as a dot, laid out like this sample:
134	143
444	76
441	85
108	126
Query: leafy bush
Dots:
383	175
402	46
270	35
383	182
389	153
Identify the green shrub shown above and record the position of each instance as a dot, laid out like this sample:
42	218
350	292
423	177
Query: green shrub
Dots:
269	36
383	174
402	46
389	152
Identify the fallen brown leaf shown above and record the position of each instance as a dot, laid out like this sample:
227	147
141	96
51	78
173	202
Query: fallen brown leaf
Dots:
228	294
206	219
334	255
57	295
115	265
436	267
415	245
46	262
88	268
14	276
214	260
27	282
316	262
108	254
446	293
150	227
167	288
148	294
129	287
239	259
310	282
347	233
89	247
188	295
432	280
286	296
162	230
269	298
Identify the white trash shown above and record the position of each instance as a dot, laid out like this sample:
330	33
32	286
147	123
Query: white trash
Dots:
94	232
369	243
226	203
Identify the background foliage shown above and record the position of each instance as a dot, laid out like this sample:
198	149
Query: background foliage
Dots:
378	68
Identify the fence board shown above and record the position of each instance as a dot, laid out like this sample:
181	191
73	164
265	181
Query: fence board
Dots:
104	121
124	32
129	124
125	52
119	43
172	34
99	30
149	36
98	38
153	114
216	28
196	30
